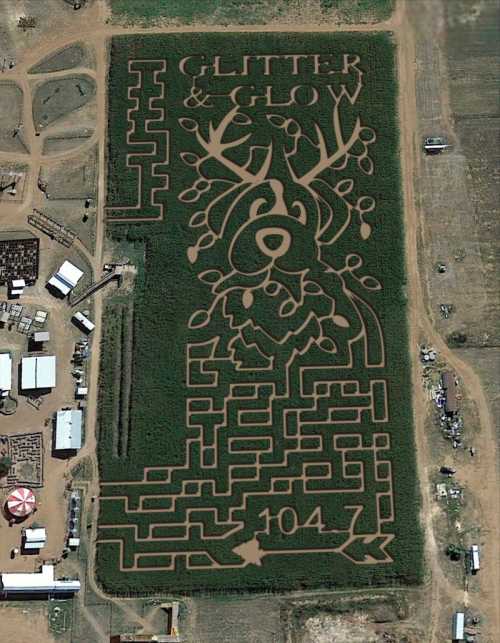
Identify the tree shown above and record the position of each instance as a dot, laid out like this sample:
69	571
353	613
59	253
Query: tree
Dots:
5	465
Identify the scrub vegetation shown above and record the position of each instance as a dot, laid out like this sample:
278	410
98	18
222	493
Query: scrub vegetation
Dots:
249	11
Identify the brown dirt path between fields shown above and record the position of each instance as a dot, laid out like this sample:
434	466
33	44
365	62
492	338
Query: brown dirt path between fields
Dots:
482	482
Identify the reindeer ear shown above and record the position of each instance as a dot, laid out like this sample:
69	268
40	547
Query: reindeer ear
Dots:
189	124
276	120
241	119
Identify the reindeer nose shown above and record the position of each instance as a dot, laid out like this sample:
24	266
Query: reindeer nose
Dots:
273	242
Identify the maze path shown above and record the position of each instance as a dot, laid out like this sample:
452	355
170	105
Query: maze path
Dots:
257	445
288	440
149	143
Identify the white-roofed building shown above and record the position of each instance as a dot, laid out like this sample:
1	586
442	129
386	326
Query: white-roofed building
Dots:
66	278
458	627
474	559
83	322
38	372
43	582
41	336
5	374
17	287
68	430
81	392
34	539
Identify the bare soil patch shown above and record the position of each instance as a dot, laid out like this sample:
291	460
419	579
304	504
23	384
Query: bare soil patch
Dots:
11	109
76	55
76	182
53	18
55	99
23	622
66	140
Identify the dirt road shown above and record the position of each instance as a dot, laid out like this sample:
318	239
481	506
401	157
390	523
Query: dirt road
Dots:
481	479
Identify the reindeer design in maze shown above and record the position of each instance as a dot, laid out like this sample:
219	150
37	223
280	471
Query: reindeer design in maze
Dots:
287	403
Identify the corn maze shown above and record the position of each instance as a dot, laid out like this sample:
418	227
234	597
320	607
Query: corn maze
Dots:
268	429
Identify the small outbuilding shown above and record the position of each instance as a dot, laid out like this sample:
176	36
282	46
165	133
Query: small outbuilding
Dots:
475	565
66	278
38	372
83	322
34	539
16	287
458	627
68	435
5	374
41	336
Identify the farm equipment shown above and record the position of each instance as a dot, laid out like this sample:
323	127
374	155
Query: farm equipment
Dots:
435	144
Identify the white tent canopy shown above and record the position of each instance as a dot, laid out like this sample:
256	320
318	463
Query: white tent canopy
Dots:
38	372
21	502
66	278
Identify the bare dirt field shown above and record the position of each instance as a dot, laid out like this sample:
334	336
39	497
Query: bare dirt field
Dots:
54	99
11	101
76	182
76	55
21	621
53	18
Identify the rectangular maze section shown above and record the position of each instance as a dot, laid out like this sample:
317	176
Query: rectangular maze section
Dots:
265	435
26	453
18	258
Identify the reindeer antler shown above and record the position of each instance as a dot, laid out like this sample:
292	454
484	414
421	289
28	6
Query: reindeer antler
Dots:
215	148
327	160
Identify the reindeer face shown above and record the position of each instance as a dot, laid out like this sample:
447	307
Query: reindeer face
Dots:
261	235
272	241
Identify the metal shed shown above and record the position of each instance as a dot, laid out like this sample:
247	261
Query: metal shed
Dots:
458	627
68	430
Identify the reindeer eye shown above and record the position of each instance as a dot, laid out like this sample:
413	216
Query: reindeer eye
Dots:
202	185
